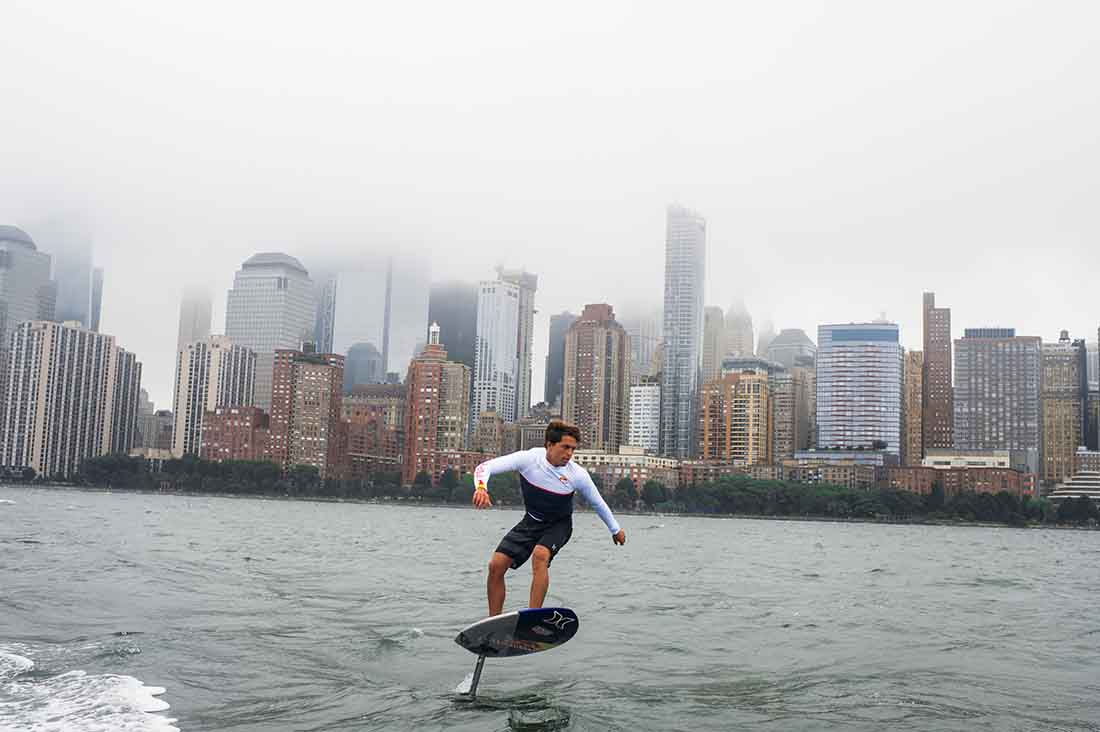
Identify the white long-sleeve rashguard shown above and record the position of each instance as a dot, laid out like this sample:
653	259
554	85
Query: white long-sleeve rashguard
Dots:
547	490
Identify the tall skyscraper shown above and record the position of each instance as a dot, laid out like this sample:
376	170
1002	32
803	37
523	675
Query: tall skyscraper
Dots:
789	346
734	413
912	446
937	400
270	307
645	416
859	386
73	395
324	292
644	326
306	410
525	341
685	275
555	358
381	300
739	332
997	387
438	408
67	241
496	355
714	343
363	366
596	394
210	373
195	308
453	305
25	291
1062	408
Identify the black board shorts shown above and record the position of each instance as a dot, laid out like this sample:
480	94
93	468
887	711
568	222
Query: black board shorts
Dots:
529	533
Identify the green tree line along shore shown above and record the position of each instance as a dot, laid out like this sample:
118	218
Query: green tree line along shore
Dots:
736	495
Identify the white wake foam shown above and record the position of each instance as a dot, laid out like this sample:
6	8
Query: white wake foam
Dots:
78	702
6	502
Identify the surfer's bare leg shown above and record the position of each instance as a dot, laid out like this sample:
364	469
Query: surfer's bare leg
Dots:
498	565
540	575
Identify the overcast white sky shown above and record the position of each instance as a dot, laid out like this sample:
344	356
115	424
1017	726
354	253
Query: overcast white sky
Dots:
846	158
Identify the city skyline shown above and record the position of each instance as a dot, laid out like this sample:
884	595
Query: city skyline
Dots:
819	173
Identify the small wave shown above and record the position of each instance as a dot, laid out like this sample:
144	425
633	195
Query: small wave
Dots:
12	665
76	700
464	686
6	502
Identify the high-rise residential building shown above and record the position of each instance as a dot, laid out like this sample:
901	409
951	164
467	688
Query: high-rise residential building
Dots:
438	408
912	410
805	371
376	428
124	403
363	366
685	275
210	373
791	418
714	342
555	358
496	357
739	333
644	328
645	416
1062	406
596	394
236	433
789	346
195	312
527	284
72	395
859	386
997	388
26	292
767	335
937	401
306	410
271	307
734	416
453	306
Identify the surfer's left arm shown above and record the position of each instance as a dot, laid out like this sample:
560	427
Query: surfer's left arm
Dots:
591	493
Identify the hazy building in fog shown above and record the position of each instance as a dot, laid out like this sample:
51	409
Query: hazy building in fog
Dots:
270	307
363	366
714	340
195	316
791	346
644	326
555	357
767	335
496	356
739	333
453	306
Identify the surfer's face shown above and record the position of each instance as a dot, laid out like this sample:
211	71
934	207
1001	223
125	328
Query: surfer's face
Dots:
561	452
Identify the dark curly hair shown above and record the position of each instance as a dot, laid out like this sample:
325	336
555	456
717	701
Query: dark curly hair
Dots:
558	429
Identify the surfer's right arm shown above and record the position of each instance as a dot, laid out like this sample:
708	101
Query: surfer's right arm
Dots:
489	468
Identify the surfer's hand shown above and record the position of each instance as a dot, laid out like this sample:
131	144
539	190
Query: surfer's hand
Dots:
619	538
482	500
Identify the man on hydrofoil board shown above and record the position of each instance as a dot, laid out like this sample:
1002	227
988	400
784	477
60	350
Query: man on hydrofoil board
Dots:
549	478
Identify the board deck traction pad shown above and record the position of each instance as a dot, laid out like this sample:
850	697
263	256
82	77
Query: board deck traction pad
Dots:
517	633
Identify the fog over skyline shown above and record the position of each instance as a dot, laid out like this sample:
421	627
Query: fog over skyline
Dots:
846	159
